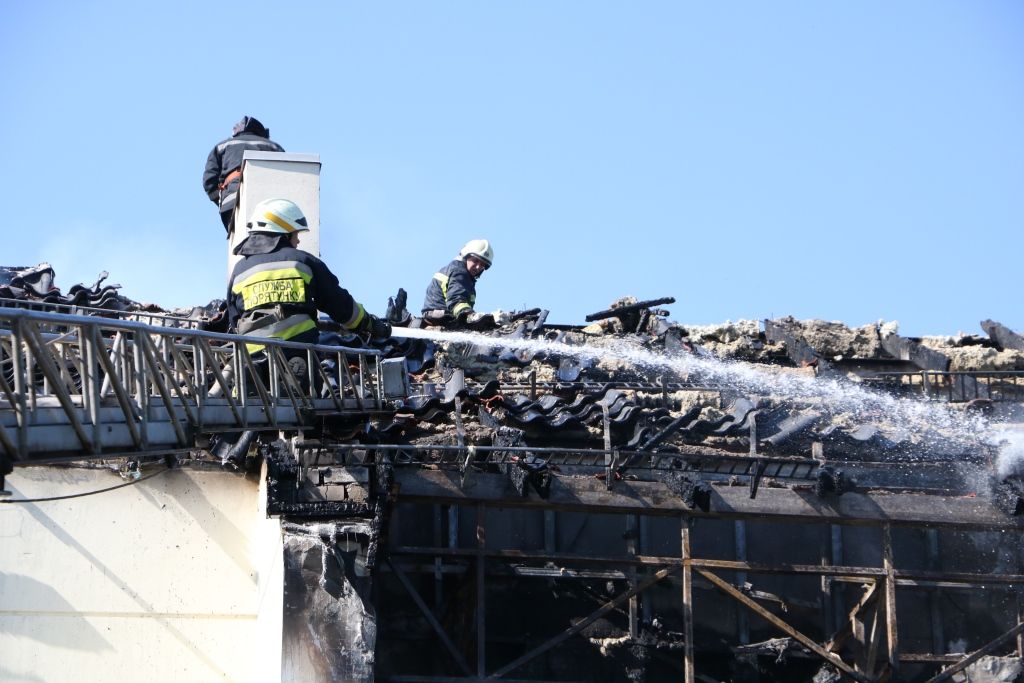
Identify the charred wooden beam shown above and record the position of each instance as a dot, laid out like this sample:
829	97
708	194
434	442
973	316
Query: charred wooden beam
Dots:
991	646
1002	335
798	350
909	350
588	494
804	640
583	623
775	647
868	599
691	489
755	478
431	619
629	308
831	480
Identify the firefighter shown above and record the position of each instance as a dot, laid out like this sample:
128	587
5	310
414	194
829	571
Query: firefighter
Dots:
452	291
223	171
276	289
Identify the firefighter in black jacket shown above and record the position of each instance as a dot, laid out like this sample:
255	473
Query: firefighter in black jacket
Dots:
452	291
223	171
276	290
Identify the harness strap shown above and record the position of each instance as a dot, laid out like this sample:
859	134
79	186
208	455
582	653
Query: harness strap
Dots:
237	173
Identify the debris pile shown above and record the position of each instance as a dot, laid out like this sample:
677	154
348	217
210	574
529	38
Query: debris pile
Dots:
633	381
35	286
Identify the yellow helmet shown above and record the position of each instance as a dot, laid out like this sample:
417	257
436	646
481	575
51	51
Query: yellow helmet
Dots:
280	216
479	248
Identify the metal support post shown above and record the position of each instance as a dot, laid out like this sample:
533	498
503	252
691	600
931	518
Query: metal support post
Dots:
481	593
742	624
892	639
632	531
684	537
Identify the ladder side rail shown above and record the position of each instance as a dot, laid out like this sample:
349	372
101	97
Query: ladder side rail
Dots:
153	361
180	374
249	367
7	360
64	398
106	386
343	363
19	387
177	372
29	368
82	362
335	396
286	380
110	349
196	370
10	315
378	386
241	385
92	385
140	378
127	372
169	376
362	382
117	386
311	374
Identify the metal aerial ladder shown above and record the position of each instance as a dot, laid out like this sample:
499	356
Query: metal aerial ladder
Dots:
78	386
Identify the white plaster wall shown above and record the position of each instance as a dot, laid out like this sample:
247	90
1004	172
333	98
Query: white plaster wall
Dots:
269	175
176	578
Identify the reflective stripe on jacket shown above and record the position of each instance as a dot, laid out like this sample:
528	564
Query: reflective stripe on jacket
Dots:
276	294
225	157
452	289
274	325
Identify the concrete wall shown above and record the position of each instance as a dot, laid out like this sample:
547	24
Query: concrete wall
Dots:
176	578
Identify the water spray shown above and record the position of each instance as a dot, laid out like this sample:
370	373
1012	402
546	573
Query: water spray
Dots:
934	424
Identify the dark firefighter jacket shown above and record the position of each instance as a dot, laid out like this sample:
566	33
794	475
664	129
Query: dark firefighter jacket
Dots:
226	157
452	289
276	291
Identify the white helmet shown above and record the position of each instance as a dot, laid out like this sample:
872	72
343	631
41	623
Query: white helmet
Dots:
479	248
279	216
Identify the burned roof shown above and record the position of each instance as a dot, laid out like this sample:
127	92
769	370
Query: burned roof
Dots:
664	395
630	379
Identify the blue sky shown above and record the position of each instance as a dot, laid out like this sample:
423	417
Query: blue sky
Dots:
844	161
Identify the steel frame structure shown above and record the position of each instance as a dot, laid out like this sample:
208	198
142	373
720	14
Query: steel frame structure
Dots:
866	625
79	387
957	386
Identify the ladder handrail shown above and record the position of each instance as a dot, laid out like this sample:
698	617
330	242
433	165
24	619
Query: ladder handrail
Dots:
98	386
131	325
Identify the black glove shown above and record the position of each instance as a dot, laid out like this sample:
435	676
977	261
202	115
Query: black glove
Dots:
379	329
397	313
373	327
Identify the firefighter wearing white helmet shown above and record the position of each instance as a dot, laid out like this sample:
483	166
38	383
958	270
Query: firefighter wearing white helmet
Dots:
480	249
276	289
280	216
452	291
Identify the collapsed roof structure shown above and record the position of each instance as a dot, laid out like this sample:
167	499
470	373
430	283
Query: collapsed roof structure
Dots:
629	499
